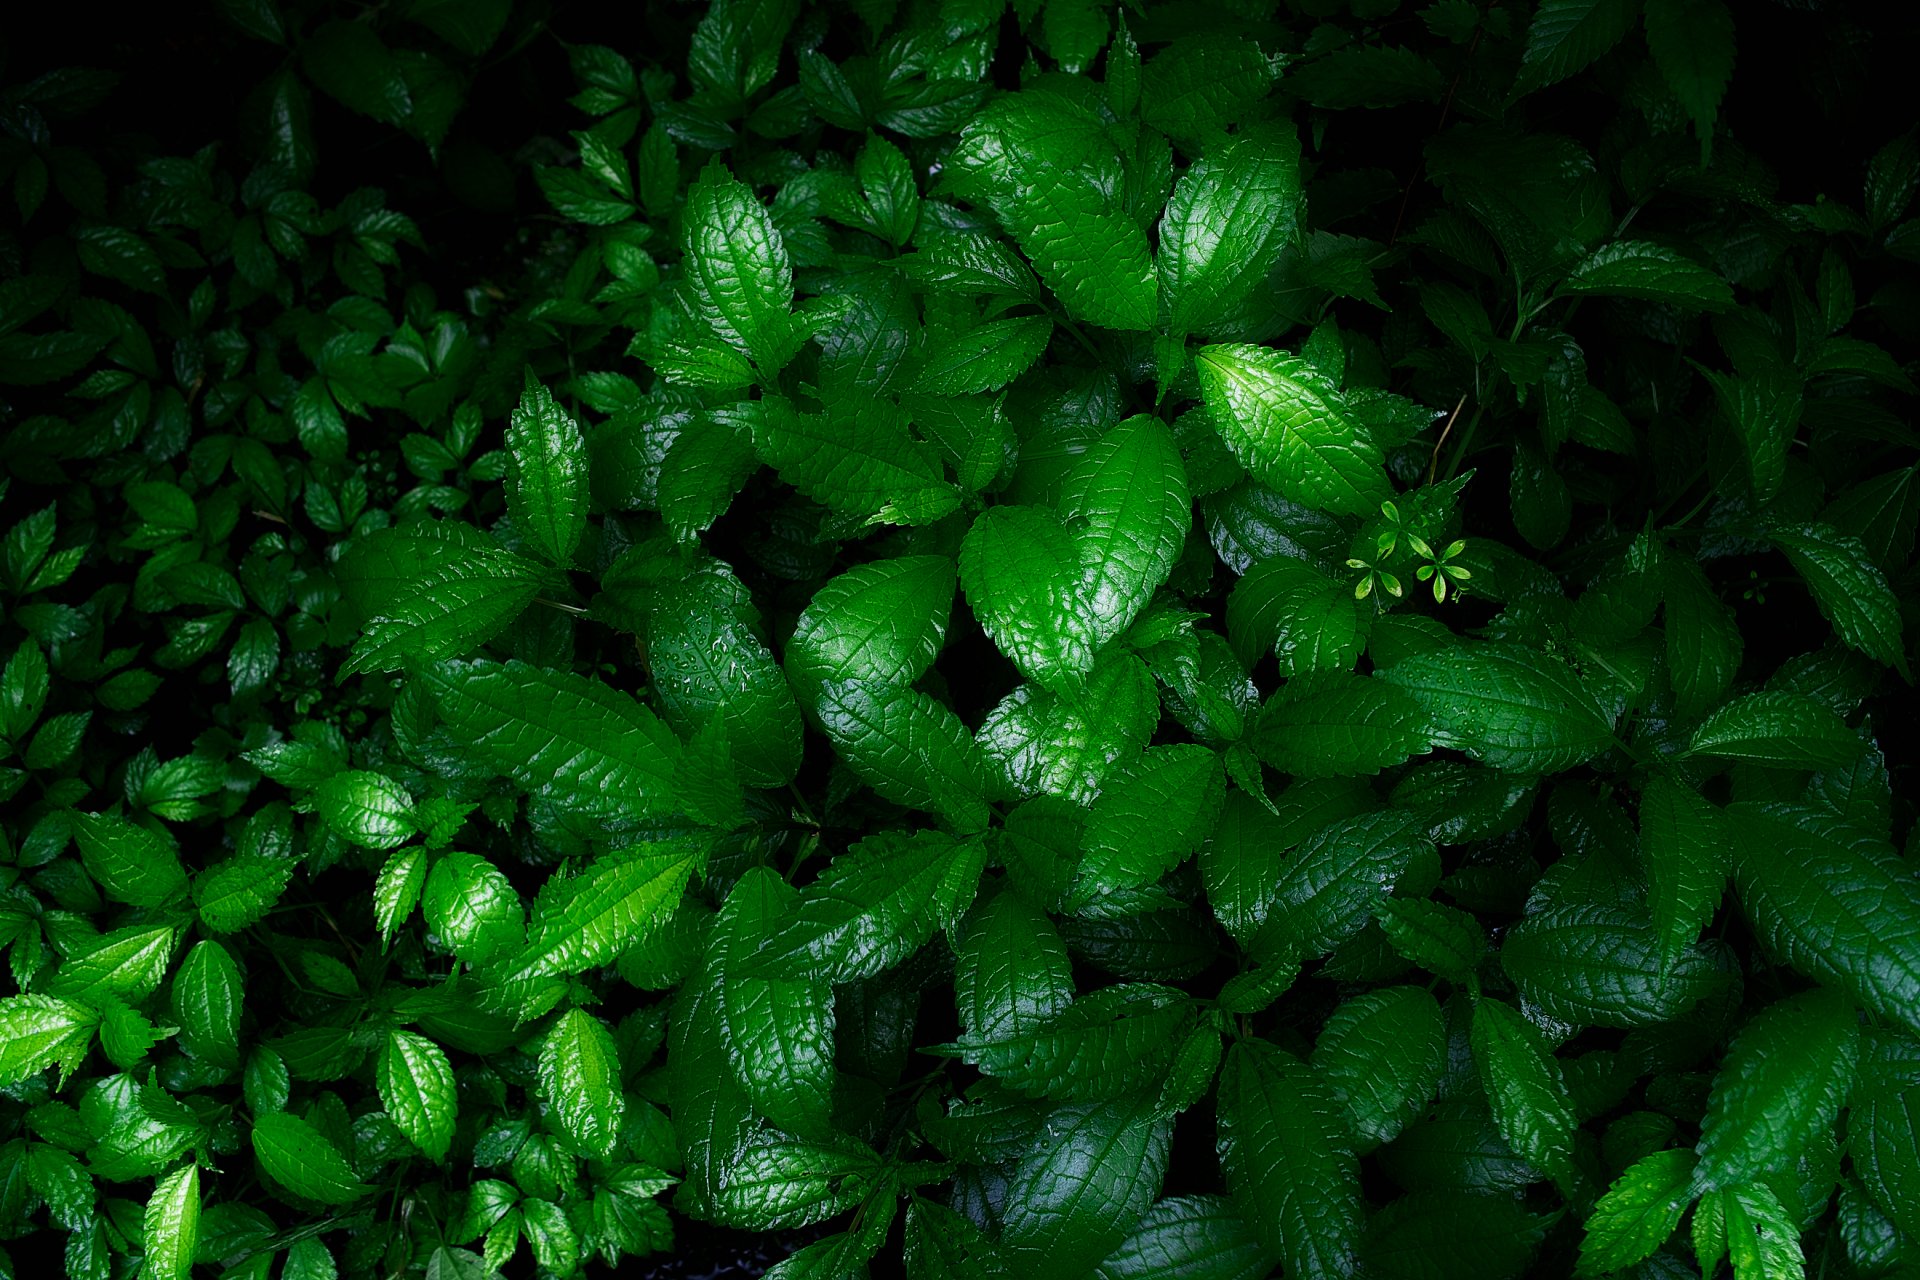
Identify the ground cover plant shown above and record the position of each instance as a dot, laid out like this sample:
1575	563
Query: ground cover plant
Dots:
1148	640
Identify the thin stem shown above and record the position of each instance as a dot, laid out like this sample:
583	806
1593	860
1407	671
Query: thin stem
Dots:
1433	464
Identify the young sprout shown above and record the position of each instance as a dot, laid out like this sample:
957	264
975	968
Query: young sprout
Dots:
1441	570
1370	577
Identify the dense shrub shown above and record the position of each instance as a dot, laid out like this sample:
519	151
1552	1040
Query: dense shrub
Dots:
1136	641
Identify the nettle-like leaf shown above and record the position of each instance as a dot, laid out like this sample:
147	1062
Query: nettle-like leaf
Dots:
970	592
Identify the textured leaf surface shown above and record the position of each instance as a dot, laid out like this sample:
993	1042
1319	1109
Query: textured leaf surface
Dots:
1339	725
1685	848
1382	1052
416	1085
432	592
580	1074
1849	589
1225	222
908	747
1085	1184
1637	269
882	623
1780	1087
554	729
1287	427
547	481
133	864
1506	706
1840	910
1598	965
1286	1160
1328	888
1151	818
299	1158
877	903
171	1224
778	1031
1567	35
1775	727
740	270
1637	1214
1525	1088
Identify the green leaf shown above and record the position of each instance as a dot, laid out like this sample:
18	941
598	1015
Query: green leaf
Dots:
601	749
1848	587
1041	156
1780	1087
1703	641
778	1182
986	358
1328	888
57	1178
1127	496
1382	1052
37	1031
396	891
1842	910
1440	939
1303	617
1684	849
133	864
708	659
1638	1213
1228	218
580	1076
432	591
908	747
1763	1240
704	468
738	267
129	963
367	808
1775	727
23	690
1651	273
1525	1088
1013	975
857	457
547	474
171	1224
1883	1139
1692	44
1084	1184
472	908
1507	706
1016	568
1765	408
206	1001
1566	36
1204	79
1287	426
618	902
1112	1042
881	623
296	1156
1339	725
1190	1238
1287	1161
1150	818
1066	744
417	1089
874	906
778	1031
1594	964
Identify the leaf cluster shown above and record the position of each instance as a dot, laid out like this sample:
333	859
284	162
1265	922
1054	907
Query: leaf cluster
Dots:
1125	641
